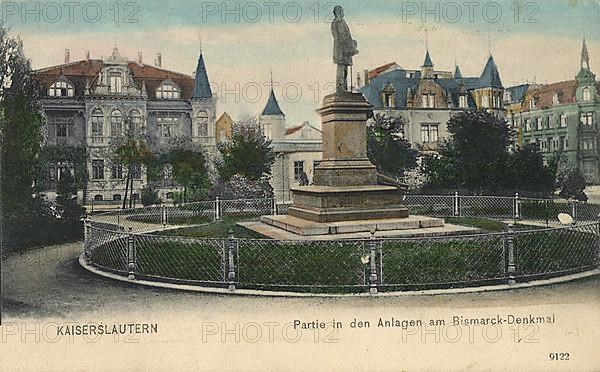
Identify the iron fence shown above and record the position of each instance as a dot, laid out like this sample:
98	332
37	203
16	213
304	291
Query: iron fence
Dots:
120	242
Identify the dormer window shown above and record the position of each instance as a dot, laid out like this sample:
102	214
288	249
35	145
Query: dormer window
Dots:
61	89
168	90
116	82
587	94
497	103
485	101
532	103
462	101
555	99
387	96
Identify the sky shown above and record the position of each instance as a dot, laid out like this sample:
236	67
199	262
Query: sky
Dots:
243	42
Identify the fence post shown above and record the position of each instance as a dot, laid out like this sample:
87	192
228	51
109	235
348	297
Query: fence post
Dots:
456	204
512	268
131	254
231	262
217	209
87	229
574	210
373	264
517	207
274	207
546	202
598	245
163	215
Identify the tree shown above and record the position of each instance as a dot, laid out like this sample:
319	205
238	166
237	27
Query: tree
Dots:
247	154
528	172
475	157
131	152
572	185
189	170
149	196
386	147
20	123
67	197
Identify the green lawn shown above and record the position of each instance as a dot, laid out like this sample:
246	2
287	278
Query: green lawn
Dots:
219	229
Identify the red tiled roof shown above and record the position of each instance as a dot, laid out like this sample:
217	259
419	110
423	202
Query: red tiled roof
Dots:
374	73
544	95
78	72
293	129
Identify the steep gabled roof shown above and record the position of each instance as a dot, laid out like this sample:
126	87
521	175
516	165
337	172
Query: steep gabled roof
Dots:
201	83
490	77
272	107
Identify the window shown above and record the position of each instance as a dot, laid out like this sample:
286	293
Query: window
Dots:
137	121
485	101
98	169
168	124
298	170
116	197
532	103
566	143
116	123
136	172
202	123
556	144
555	99
563	120
587	94
538	124
528	125
116	82
117	172
429	133
588	144
388	99
428	101
97	123
98	197
462	101
61	89
589	169
168	91
497	102
587	118
63	126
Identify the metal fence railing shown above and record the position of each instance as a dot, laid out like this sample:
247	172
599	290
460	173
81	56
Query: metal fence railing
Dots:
123	242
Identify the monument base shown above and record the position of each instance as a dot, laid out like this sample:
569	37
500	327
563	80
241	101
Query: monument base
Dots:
351	203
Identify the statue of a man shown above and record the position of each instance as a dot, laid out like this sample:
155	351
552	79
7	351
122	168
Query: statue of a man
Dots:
344	48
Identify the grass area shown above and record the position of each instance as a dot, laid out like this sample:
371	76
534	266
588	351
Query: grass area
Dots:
219	229
480	223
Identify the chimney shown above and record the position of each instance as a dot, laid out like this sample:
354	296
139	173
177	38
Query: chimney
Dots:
67	55
366	72
87	54
158	61
140	57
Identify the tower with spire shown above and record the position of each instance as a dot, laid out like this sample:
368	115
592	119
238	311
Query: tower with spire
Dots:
586	79
272	118
203	108
489	93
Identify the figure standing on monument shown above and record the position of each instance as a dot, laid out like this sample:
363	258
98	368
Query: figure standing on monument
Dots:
344	48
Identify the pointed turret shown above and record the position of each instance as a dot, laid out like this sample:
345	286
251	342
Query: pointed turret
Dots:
201	85
427	62
585	57
457	73
490	77
272	107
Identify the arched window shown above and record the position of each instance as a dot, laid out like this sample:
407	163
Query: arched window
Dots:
202	123
97	123
61	88
98	197
117	197
136	121
116	123
168	91
587	94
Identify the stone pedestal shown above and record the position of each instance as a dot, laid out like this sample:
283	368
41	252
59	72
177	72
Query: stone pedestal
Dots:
345	182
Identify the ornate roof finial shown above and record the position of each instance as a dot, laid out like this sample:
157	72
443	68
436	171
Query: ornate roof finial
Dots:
585	57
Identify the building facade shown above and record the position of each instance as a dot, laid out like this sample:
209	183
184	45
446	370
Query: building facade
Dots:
563	118
297	149
89	105
428	98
